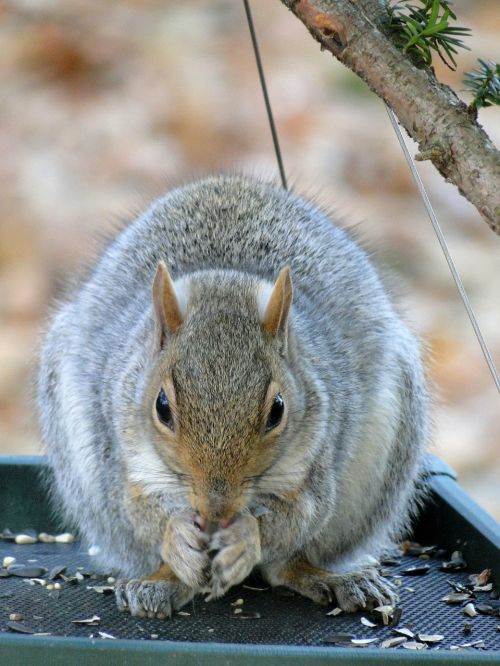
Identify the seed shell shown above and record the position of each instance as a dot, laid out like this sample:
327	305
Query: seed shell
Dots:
430	638
19	628
470	610
413	645
25	539
335	611
392	642
368	623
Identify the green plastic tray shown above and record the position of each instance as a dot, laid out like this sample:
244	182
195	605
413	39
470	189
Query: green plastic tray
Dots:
451	520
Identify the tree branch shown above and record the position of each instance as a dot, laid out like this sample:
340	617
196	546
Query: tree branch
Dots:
430	111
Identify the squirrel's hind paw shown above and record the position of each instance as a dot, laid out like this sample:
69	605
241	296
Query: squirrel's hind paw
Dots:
152	598
363	589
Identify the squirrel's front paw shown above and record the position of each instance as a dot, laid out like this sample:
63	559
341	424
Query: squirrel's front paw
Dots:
158	596
237	550
185	549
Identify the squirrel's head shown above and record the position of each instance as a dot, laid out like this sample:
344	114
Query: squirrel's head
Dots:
221	392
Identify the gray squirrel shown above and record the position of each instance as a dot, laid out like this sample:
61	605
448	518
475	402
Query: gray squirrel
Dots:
231	389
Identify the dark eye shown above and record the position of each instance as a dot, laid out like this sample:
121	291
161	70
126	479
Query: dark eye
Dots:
163	410
276	413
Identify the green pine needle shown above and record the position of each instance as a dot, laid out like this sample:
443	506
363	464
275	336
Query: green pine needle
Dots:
484	82
419	30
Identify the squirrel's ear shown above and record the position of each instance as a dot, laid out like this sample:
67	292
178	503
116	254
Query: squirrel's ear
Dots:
168	313
278	305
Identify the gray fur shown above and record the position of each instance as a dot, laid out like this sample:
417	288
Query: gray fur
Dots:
351	373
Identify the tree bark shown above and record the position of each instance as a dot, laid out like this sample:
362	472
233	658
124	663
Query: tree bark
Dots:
431	113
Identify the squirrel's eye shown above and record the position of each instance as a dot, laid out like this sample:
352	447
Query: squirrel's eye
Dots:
163	410
276	413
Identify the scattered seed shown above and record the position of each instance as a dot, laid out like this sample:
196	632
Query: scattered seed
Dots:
8	561
430	638
103	634
483	588
248	616
409	589
56	572
57	586
90	621
255	589
7	535
481	578
185	613
237	611
111	580
417	570
458	587
154	636
368	623
43	537
392	642
456	597
361	642
101	589
50	586
79	576
396	617
19	628
486	609
457	563
339	638
238	602
470	610
25	539
404	631
335	611
27	572
65	538
413	645
211	631
16	617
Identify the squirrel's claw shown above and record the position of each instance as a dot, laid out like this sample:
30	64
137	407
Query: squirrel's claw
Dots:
152	598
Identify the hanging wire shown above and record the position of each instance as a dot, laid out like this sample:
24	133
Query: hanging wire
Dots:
458	282
264	93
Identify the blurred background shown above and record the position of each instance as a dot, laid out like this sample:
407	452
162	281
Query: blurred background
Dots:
106	105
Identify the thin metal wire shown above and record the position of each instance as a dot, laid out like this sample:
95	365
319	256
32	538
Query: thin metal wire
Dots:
264	93
458	282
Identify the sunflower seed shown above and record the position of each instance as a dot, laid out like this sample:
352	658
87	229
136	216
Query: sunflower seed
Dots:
25	539
361	642
184	613
90	621
392	642
111	580
413	645
430	638
417	570
456	597
8	561
238	602
43	537
335	611
483	588
16	617
56	571
339	638
27	572
367	623
103	634
404	631
19	628
101	589
65	538
237	611
457	563
481	578
470	610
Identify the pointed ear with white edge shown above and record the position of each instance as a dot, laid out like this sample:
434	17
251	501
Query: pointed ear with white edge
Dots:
278	305
168	313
